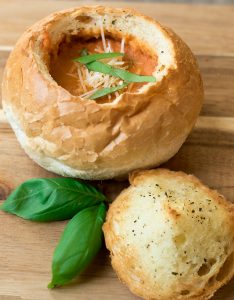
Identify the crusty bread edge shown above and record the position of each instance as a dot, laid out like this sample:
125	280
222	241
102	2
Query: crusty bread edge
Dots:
37	148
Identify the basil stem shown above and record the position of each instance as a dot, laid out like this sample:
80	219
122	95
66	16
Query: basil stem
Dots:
80	242
106	91
51	199
98	66
85	59
84	52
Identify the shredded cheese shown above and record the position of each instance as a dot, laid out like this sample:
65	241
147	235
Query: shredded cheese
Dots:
81	79
91	81
103	37
122	45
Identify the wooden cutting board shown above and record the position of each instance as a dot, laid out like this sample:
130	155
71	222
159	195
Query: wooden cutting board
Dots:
26	248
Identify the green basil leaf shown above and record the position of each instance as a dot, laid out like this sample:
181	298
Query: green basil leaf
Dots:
106	91
131	77
80	242
85	59
51	199
98	66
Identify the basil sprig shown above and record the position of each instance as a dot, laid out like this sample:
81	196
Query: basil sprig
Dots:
106	91
51	199
85	58
54	199
101	67
80	242
92	63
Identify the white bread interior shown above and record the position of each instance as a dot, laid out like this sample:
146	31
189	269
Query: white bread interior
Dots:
170	237
81	138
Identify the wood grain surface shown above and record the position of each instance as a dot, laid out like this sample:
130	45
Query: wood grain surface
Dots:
26	248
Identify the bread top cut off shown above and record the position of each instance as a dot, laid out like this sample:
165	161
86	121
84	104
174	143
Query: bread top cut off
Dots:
171	237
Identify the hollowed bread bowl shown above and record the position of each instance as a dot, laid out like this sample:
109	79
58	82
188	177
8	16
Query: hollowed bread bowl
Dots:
141	127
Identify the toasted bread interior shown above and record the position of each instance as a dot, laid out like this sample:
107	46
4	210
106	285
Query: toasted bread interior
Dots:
171	237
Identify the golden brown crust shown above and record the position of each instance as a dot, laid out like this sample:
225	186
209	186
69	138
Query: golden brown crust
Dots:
185	218
77	137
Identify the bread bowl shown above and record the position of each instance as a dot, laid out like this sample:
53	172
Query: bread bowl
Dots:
170	237
67	133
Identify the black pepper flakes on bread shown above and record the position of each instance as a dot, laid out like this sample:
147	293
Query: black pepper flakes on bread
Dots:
171	237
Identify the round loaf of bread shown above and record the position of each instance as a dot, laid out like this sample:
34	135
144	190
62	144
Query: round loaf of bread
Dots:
65	131
171	237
